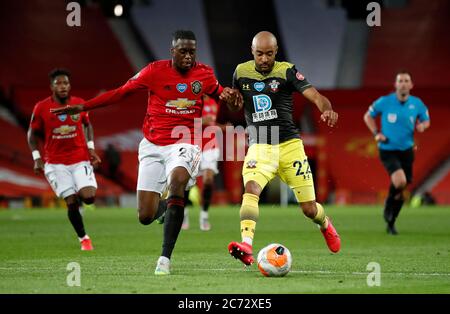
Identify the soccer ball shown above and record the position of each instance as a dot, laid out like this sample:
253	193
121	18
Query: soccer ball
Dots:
274	260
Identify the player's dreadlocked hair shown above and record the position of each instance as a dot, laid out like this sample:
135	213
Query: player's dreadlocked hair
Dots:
183	34
57	72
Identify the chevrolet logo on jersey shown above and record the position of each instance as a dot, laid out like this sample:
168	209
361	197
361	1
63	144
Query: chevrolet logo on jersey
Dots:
64	129
180	103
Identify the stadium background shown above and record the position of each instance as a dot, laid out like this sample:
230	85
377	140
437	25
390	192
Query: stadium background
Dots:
329	41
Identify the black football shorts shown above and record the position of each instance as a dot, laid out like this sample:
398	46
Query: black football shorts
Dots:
398	159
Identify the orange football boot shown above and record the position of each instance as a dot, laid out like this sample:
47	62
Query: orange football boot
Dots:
86	245
332	237
241	251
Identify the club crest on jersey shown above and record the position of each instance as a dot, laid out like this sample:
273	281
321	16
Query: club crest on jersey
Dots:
181	87
251	164
62	117
75	117
259	86
196	87
274	85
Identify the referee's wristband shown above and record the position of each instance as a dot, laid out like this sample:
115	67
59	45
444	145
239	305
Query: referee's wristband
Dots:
36	154
90	145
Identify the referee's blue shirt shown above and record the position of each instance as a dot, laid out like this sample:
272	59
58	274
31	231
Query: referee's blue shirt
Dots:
398	120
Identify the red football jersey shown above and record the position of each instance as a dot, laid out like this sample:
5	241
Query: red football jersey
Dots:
63	135
210	110
174	100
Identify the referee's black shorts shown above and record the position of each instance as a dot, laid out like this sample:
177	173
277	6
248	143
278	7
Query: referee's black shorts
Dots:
398	159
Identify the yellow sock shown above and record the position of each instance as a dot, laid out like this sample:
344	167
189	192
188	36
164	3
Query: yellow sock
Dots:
249	215
321	218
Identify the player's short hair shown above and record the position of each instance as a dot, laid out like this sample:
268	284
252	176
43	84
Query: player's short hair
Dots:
403	71
57	72
183	34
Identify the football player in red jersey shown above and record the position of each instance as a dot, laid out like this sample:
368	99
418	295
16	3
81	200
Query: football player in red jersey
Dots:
168	154
68	158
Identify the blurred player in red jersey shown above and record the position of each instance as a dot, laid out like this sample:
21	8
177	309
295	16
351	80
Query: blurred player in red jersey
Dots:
168	154
209	162
68	158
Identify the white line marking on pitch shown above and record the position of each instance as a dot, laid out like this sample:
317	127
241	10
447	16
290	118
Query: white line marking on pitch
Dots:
328	272
325	272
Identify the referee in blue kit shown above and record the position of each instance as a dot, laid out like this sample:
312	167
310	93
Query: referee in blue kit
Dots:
400	113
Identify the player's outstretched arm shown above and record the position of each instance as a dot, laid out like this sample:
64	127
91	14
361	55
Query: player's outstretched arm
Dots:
103	100
328	115
70	110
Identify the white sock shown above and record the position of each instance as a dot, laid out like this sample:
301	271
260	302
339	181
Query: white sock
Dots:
204	214
163	260
248	240
84	238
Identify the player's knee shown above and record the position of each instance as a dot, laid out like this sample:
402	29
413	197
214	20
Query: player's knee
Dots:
253	188
400	184
71	202
87	195
309	209
145	215
89	200
399	180
145	219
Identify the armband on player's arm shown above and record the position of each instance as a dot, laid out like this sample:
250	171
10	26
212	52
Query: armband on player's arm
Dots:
38	162
36	154
90	145
32	140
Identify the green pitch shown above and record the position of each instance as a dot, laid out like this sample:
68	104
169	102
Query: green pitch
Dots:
37	245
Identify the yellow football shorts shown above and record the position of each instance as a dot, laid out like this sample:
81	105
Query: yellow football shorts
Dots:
287	160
